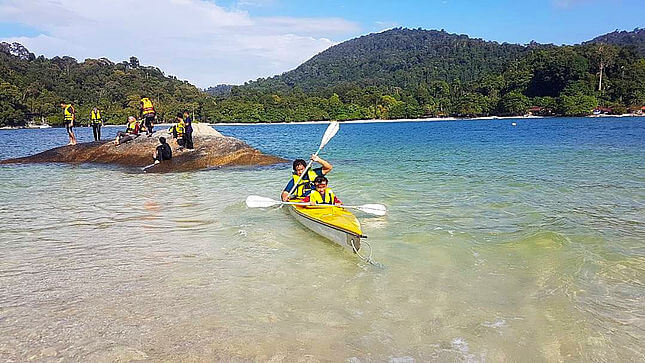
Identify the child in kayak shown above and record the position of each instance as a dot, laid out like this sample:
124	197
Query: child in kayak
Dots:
303	179
322	194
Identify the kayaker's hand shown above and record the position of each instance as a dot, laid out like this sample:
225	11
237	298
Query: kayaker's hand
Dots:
338	204
315	158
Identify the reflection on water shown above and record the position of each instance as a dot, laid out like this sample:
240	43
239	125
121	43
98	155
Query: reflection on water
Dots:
526	249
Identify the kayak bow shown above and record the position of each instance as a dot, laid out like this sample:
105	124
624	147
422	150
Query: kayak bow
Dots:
334	223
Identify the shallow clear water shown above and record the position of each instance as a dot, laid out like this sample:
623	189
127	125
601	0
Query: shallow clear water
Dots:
501	243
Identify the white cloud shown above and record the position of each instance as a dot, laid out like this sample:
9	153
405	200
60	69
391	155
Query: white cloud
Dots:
567	4
381	26
256	3
195	40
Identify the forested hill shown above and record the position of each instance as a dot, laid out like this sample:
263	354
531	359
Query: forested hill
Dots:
400	73
221	90
410	73
398	57
32	87
635	38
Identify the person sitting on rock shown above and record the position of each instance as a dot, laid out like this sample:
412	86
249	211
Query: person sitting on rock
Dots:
178	131
163	151
131	132
322	194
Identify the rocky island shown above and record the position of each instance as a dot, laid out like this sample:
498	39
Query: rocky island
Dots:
212	149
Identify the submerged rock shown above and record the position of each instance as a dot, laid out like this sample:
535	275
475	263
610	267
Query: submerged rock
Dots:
212	149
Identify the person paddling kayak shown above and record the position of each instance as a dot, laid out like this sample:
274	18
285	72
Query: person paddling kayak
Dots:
305	185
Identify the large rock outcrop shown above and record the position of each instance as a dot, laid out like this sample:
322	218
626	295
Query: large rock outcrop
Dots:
212	149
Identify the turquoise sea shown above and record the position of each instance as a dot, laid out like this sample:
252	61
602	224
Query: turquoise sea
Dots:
501	243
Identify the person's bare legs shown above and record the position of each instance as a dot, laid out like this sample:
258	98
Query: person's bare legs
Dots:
72	137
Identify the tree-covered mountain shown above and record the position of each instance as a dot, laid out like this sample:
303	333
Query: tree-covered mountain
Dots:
221	90
400	73
32	87
634	38
405	73
398	57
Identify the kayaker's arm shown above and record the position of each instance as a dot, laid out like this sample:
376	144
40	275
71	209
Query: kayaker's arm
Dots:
285	193
326	166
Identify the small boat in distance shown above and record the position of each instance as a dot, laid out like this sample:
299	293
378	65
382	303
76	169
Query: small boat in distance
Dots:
42	125
37	126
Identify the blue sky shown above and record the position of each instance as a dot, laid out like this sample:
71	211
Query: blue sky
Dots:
232	41
545	21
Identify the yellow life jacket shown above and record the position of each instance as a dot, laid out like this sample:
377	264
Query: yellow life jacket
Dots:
69	116
328	198
132	126
148	108
96	116
180	128
305	185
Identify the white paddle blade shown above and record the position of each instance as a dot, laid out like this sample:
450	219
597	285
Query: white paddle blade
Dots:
332	129
376	209
256	201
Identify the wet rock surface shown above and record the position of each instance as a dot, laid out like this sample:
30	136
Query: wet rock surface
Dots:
211	150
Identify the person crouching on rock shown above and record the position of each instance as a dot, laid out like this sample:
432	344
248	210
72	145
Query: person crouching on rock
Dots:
163	151
179	130
131	133
322	194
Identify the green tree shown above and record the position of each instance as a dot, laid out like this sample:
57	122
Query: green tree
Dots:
576	105
12	111
513	104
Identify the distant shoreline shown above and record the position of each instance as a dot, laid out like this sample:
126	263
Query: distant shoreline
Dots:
429	119
368	121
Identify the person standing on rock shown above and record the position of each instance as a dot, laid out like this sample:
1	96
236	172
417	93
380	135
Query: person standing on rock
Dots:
188	135
97	122
148	113
69	117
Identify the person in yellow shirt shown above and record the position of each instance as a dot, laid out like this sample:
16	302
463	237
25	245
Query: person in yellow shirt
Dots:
322	194
179	131
131	132
304	180
148	113
69	118
97	122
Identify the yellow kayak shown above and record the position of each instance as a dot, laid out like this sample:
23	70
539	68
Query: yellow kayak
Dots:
334	223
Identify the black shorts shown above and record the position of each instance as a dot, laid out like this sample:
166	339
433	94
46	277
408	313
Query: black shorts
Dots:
69	127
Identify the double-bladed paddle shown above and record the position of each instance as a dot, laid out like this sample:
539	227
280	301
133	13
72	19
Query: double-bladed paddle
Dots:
256	201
